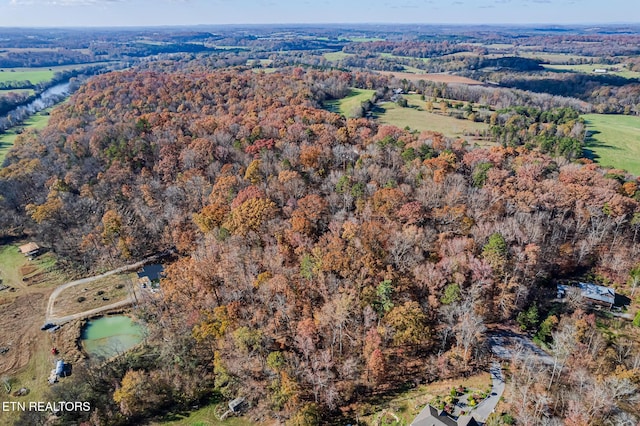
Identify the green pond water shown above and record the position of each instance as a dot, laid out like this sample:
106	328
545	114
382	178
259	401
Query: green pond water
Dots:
111	335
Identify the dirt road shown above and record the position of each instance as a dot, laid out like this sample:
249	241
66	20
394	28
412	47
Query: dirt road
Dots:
50	317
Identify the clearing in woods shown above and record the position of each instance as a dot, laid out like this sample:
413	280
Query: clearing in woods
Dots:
416	117
407	405
614	141
349	103
106	291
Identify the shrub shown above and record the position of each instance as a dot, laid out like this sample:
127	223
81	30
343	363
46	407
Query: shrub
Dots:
81	299
508	419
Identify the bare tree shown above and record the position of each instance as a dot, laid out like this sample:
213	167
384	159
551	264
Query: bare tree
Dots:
564	342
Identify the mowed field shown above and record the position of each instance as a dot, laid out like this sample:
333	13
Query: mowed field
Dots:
614	141
417	118
336	56
37	121
346	105
34	75
40	74
588	69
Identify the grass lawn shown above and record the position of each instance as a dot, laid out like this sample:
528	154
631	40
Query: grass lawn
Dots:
407	405
205	416
20	273
37	121
417	118
614	141
346	105
10	262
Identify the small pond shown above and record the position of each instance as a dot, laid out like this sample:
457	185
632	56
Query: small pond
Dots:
111	335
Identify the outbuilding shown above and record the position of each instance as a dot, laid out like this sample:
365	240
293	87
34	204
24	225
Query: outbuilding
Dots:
30	249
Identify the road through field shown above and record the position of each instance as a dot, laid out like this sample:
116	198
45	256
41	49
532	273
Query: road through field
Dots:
129	300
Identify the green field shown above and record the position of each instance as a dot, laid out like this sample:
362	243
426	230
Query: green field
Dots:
588	69
37	121
346	105
39	75
10	262
336	56
614	141
205	416
417	118
34	75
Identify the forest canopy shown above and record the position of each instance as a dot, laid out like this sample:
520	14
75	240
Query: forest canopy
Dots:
319	258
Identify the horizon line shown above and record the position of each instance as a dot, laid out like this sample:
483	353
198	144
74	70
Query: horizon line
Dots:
264	24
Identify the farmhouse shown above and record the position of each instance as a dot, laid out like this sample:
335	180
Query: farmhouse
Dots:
597	294
30	249
600	71
430	416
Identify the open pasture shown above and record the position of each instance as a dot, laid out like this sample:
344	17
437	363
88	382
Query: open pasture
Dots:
417	118
617	70
348	104
614	141
34	75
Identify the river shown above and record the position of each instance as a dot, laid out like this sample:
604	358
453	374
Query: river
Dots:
48	98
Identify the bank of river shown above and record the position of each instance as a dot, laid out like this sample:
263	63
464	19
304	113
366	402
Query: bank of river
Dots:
109	336
29	115
47	98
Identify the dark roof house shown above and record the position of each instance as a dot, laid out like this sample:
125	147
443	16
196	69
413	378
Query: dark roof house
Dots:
430	416
152	272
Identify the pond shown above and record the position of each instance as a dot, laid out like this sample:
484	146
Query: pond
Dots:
111	335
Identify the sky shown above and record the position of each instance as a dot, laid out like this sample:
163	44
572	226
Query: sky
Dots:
84	13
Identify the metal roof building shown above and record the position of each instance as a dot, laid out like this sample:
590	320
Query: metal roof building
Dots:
593	292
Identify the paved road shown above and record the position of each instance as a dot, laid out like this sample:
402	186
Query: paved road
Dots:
128	301
486	407
505	344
